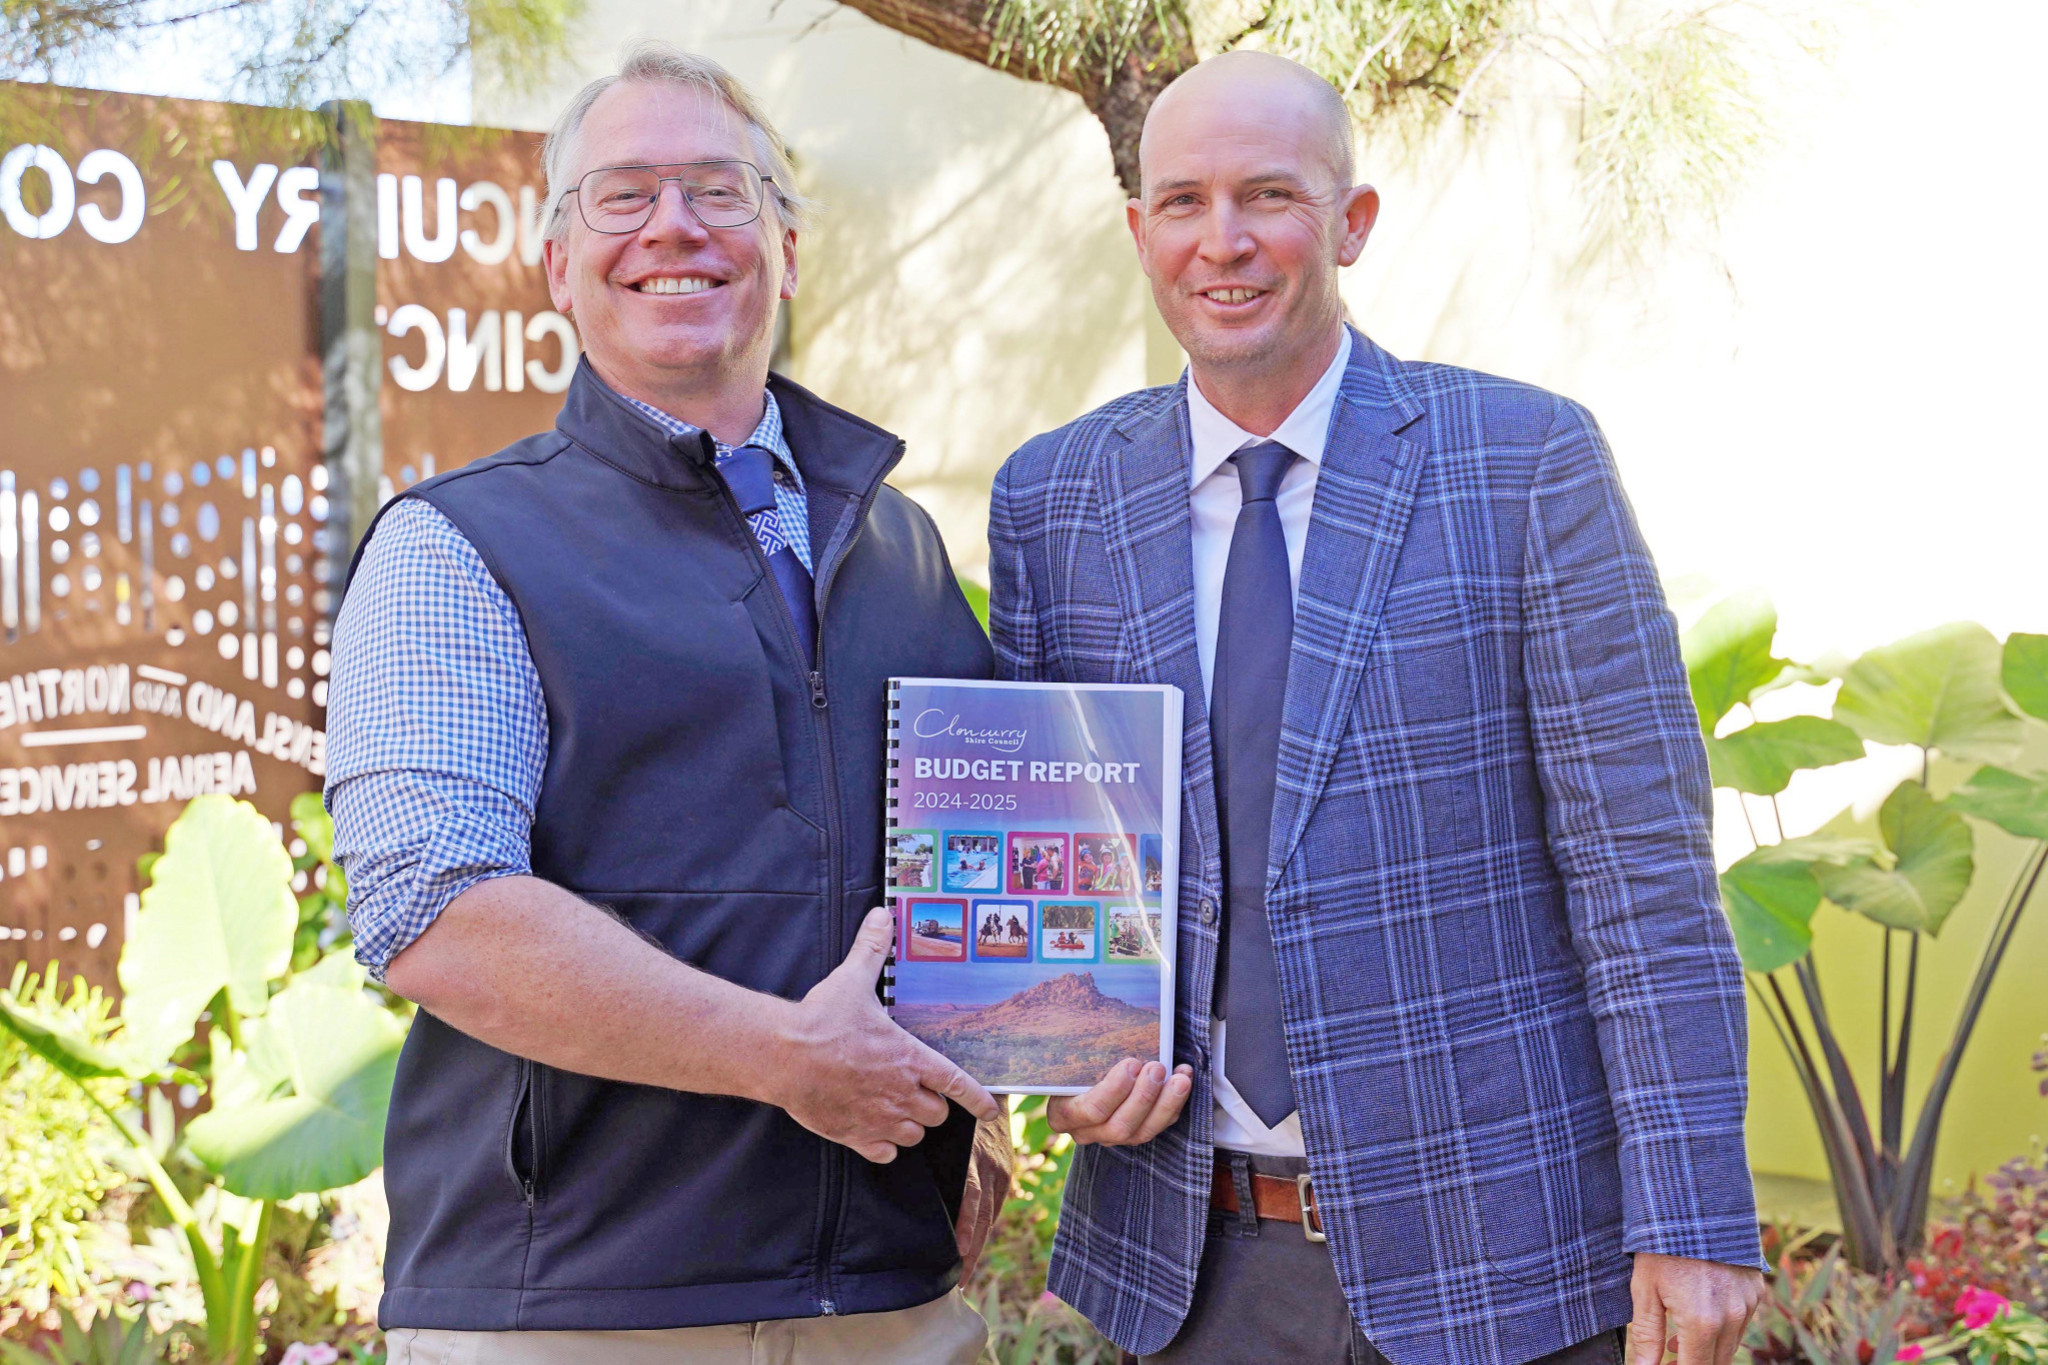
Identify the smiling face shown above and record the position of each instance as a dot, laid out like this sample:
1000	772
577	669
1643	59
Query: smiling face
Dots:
1248	212
676	308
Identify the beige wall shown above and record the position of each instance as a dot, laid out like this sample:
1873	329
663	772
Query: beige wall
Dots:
1827	404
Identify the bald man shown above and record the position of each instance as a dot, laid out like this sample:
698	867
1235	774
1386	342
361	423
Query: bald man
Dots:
1460	1032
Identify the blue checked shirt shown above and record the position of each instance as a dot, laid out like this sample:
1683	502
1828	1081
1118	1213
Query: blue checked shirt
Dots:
437	728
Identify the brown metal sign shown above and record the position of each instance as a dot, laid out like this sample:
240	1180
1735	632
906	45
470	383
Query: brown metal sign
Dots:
181	466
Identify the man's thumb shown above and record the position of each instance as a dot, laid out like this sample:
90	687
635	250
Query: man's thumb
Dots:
871	946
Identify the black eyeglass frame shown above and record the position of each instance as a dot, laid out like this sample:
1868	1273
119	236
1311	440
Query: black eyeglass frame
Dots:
767	187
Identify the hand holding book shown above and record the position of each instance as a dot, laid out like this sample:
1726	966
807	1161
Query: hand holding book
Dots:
850	1074
1134	1103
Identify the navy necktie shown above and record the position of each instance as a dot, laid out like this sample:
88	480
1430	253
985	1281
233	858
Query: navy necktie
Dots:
1254	635
749	472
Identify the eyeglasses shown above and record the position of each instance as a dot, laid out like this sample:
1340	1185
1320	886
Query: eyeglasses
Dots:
721	194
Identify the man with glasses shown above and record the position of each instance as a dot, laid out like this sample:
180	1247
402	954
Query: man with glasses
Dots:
605	749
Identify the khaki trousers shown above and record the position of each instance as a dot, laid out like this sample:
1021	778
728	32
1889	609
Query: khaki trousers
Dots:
946	1331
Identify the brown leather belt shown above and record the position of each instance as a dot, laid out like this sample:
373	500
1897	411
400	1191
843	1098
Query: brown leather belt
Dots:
1273	1196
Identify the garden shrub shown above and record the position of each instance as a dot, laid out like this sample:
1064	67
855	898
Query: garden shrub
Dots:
57	1152
1994	1237
1826	1312
1026	1325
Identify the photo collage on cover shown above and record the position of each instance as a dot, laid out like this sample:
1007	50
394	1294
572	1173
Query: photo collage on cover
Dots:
1048	896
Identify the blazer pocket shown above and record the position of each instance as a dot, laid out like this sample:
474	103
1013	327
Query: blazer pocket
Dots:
1547	1176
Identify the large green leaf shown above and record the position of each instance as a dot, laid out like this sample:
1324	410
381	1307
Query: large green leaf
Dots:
1931	865
2026	672
1821	848
1728	655
1761	758
1771	894
303	1108
1770	908
218	915
1938	689
2013	801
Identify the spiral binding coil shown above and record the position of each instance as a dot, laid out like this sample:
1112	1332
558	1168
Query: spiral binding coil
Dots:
885	984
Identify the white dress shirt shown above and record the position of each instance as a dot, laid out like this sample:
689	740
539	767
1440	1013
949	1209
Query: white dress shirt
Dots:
1215	500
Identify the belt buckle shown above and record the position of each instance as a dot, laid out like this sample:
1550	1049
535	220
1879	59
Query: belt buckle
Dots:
1311	1221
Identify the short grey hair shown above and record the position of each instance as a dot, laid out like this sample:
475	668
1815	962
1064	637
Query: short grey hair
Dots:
663	64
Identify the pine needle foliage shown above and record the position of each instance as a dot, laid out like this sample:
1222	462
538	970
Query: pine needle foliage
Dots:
1063	41
1672	122
1662	95
292	53
1392	59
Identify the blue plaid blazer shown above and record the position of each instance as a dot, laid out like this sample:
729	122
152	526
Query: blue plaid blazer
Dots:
1513	1010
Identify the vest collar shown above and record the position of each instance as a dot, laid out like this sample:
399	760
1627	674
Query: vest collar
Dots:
833	448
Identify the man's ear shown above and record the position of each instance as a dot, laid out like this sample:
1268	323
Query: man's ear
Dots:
554	255
1361	209
1134	217
788	263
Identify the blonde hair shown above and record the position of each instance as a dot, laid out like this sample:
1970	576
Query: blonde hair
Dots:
661	63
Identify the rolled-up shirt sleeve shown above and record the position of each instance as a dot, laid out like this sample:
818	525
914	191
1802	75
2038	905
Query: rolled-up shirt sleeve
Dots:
437	731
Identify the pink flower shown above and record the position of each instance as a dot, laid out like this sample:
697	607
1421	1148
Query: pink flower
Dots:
1910	1353
310	1353
1979	1306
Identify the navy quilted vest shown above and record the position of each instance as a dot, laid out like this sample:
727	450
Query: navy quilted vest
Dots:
709	786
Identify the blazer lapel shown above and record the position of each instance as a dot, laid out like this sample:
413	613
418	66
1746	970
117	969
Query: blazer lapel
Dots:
1143	485
1365	491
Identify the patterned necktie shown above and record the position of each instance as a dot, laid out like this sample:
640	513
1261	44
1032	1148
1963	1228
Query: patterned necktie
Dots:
1254	635
749	472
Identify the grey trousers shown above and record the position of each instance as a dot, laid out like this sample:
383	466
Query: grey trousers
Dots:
1269	1294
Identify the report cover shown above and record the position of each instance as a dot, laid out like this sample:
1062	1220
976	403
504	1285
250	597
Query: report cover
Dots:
1032	846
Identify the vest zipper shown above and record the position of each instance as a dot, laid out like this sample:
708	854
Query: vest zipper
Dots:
835	1156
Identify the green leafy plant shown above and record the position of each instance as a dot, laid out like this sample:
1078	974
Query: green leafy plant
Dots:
1028	1326
301	1065
1993	1236
1953	692
1989	1330
1824	1311
56	1149
109	1340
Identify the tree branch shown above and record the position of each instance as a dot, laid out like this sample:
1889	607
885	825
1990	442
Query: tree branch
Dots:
1116	74
965	28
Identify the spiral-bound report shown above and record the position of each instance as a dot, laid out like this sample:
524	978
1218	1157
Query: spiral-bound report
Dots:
1033	850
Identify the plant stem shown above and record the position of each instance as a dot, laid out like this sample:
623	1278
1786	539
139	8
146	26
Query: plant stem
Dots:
1742	804
1862	1225
1904	1048
1802	1067
211	1288
1806	972
1884	1036
246	1261
159	1178
1916	1177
